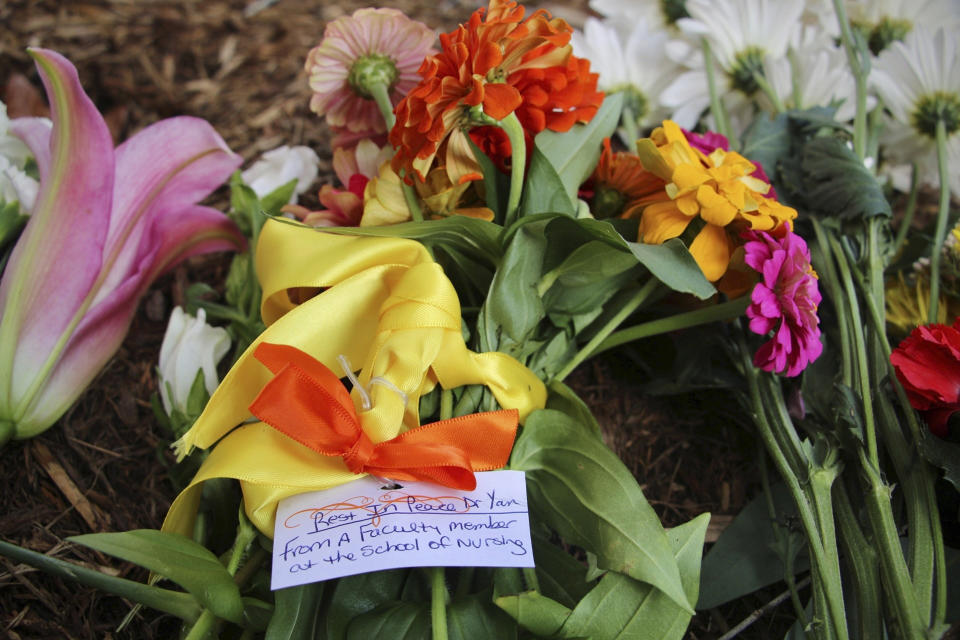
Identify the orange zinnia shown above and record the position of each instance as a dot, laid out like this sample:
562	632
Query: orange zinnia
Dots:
496	64
621	186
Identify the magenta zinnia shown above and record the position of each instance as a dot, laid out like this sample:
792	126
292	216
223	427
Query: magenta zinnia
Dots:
370	46
784	301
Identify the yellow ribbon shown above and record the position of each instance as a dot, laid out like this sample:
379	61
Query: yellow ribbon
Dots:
386	306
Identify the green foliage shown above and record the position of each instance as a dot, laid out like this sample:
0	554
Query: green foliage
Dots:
746	556
620	607
544	190
176	558
182	605
574	154
579	488
296	612
354	596
837	184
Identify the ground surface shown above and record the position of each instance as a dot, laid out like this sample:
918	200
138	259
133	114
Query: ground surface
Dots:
103	467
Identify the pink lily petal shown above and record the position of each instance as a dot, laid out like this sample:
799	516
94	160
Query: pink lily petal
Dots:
170	240
106	224
167	166
67	222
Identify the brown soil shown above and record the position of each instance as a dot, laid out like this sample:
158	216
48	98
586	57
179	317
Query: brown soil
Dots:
103	467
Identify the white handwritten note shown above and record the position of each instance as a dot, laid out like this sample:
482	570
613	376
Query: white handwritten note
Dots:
360	527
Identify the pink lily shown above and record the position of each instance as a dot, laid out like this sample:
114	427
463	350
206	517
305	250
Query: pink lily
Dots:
106	223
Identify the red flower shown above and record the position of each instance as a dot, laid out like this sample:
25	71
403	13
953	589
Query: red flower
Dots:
927	363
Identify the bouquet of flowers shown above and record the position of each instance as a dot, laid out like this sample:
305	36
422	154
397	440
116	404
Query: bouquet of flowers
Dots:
500	219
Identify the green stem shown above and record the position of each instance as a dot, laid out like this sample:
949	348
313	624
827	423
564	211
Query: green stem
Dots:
724	311
769	92
828	276
642	295
908	214
530	575
176	603
7	431
892	564
438	603
629	123
856	67
782	539
381	95
833	610
446	404
863	371
716	105
942	215
203	626
862	560
413	202
518	164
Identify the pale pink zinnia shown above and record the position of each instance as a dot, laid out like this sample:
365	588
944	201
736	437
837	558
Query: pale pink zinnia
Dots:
378	45
354	168
784	301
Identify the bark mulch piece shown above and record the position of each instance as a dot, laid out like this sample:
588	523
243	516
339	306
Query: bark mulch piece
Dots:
103	467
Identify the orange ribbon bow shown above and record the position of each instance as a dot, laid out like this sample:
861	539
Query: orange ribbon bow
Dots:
307	402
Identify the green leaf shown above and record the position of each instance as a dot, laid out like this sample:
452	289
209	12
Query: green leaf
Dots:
837	184
476	618
257	614
591	263
544	191
562	577
470	236
176	558
565	400
181	605
622	608
398	620
767	140
672	264
271	203
512	304
296	610
582	490
574	153
536	613
943	454
359	594
496	185
244	204
745	557
198	396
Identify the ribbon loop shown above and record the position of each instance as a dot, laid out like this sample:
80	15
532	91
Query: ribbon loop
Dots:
307	402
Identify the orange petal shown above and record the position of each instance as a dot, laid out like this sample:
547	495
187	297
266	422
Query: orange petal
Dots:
500	100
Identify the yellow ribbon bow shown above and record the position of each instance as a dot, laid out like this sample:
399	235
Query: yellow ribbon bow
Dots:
386	304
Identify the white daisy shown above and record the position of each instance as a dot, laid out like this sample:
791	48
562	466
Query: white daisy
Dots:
655	13
813	73
741	34
887	21
636	65
919	82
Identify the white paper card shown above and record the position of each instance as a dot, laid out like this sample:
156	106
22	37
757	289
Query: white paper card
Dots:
360	527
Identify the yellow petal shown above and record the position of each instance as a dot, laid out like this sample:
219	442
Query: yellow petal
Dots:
662	221
711	250
714	208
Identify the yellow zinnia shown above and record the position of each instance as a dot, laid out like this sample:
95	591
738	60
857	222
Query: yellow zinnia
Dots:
718	188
